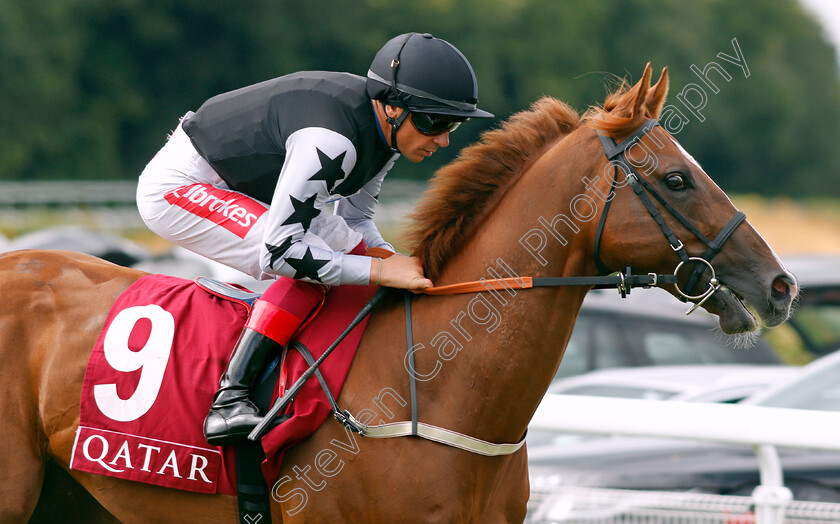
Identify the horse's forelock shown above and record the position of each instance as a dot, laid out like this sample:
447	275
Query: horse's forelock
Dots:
622	113
462	192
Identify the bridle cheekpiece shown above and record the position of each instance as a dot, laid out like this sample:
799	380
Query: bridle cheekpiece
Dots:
616	154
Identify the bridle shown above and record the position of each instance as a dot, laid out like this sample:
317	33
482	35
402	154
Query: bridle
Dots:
616	154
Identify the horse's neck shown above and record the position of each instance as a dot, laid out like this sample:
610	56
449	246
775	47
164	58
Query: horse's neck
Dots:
496	352
489	363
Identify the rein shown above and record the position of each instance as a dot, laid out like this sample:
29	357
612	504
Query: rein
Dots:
622	281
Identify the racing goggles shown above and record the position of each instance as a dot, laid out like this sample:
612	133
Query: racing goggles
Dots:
431	124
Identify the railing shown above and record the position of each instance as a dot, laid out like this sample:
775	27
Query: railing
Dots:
68	193
569	504
122	193
763	428
110	204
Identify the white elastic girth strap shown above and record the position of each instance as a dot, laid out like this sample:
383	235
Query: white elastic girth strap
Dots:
442	436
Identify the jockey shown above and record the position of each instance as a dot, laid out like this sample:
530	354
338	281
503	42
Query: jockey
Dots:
246	179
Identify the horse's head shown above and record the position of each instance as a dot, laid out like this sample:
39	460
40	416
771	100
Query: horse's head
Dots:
647	174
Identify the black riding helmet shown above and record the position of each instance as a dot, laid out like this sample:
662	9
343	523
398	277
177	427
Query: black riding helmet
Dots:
424	74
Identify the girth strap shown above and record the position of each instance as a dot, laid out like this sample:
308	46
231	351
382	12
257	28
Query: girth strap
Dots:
253	494
442	436
412	378
421	429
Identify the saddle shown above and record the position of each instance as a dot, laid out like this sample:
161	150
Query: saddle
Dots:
232	292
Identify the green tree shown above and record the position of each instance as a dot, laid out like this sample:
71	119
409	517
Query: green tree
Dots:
92	87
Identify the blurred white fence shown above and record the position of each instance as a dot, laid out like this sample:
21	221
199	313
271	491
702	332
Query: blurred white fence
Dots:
566	504
67	193
761	427
101	205
110	204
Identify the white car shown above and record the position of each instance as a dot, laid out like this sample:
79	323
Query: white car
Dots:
698	383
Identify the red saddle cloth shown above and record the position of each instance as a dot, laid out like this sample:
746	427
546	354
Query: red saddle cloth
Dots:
154	370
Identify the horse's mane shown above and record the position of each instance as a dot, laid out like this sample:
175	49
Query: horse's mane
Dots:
464	191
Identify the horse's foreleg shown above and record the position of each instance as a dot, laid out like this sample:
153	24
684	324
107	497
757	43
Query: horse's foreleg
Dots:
21	451
25	315
65	500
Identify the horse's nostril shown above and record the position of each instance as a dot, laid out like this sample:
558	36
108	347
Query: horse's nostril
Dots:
783	286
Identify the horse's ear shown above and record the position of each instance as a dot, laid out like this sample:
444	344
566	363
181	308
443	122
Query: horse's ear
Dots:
641	88
655	98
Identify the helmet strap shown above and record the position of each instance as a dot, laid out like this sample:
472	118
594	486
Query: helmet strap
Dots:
395	63
397	122
395	125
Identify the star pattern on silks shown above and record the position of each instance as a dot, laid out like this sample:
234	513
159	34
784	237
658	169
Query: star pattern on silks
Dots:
307	266
304	212
277	252
330	171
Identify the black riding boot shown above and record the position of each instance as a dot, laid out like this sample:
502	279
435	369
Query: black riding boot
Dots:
232	415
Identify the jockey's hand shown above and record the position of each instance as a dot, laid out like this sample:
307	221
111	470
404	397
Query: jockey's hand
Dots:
400	271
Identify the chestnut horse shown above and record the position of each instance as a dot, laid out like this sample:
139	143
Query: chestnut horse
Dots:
527	199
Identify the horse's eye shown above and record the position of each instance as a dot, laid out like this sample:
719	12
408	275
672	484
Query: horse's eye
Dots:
675	182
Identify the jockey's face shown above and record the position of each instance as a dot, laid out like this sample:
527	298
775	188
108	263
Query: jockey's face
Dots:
412	144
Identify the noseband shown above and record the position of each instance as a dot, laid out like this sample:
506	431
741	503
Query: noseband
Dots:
616	154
